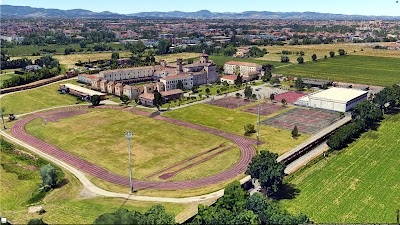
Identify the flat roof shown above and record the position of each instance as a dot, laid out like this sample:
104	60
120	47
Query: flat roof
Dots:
82	89
338	94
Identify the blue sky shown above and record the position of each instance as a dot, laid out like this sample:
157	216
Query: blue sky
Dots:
361	7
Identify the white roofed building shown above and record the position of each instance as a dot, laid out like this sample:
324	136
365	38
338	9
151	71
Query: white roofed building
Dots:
335	99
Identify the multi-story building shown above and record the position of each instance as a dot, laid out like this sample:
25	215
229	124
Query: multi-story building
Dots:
171	82
130	74
244	67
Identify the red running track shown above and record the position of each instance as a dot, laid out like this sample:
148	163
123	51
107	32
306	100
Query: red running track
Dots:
245	145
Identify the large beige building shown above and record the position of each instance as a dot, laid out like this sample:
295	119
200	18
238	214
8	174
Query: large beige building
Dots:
170	82
245	68
128	74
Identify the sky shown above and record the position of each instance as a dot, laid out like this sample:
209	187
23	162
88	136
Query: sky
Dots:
359	7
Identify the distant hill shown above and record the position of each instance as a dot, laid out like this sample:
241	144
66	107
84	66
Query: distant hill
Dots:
9	11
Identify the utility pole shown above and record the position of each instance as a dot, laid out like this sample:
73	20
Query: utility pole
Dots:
258	125
128	135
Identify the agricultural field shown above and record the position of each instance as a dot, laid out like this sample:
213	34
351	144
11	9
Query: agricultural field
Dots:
324	49
37	99
233	120
360	184
173	144
81	206
369	70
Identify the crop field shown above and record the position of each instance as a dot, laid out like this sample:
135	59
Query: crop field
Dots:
67	204
36	99
324	49
359	185
156	145
233	120
367	70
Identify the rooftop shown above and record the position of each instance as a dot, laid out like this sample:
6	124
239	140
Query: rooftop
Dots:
179	76
338	94
229	77
82	89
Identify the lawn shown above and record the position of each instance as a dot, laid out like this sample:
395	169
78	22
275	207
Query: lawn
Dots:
155	144
368	70
360	185
65	205
221	60
233	121
36	99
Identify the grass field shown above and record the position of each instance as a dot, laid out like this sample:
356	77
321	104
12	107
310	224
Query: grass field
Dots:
65	205
324	49
360	185
155	145
36	99
233	120
368	70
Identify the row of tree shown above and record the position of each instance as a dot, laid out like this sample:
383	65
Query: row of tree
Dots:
51	68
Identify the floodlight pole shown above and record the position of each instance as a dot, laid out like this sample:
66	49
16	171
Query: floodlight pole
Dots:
128	135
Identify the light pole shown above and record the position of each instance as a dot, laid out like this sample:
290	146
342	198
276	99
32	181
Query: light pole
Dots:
128	135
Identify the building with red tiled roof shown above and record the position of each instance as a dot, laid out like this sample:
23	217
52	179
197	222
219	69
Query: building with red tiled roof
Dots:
230	79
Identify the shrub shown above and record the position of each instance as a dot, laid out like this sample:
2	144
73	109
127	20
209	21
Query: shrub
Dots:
249	129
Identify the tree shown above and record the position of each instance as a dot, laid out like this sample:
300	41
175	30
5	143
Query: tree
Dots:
274	80
82	44
314	57
190	60
272	97
158	99
284	102
267	76
248	91
125	99
299	84
295	132
155	215
300	60
285	59
238	81
37	222
332	54
208	91
49	177
95	100
163	47
267	170
249	129
341	52
179	85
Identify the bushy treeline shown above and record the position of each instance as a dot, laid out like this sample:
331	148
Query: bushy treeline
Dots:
51	68
238	207
16	63
365	116
155	215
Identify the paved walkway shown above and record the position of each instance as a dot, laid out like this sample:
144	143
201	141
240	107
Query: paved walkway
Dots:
245	145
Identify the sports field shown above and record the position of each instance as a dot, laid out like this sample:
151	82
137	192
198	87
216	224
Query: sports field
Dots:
156	145
233	120
360	185
64	205
381	71
36	99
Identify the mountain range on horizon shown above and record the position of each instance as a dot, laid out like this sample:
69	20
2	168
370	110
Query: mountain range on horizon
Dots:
9	11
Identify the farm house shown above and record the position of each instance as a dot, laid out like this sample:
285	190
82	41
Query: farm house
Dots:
335	99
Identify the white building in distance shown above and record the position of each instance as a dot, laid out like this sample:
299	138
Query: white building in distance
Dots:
335	99
244	67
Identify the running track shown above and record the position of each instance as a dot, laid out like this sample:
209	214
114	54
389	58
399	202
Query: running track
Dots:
245	145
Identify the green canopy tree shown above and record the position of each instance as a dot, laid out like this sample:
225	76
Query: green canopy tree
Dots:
267	76
158	99
300	60
299	84
125	99
37	222
314	57
95	100
267	170
49	176
248	91
238	81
